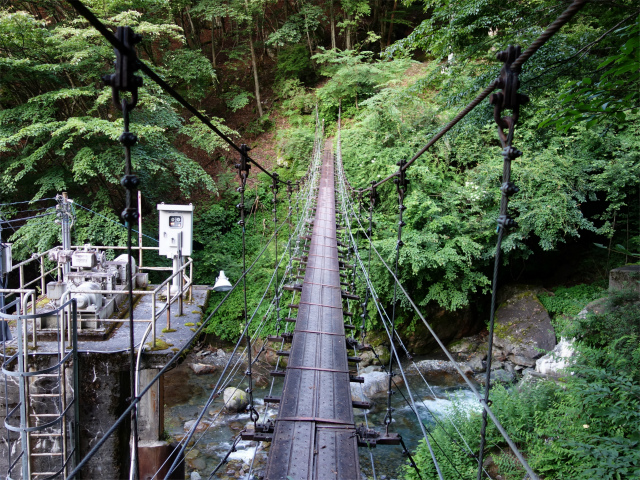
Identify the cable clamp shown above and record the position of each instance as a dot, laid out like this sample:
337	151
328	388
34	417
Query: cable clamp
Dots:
509	188
505	221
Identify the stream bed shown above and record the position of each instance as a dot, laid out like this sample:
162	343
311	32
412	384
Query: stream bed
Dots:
186	394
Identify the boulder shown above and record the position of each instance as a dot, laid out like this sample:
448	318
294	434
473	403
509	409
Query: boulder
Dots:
522	360
441	371
466	345
448	325
368	358
476	363
202	425
556	361
202	368
523	327
235	400
500	375
624	278
375	382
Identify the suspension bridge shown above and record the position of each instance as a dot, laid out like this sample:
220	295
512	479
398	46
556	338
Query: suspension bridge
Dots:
309	431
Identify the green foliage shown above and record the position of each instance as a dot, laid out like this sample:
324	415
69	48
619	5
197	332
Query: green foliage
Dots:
294	63
296	144
611	96
571	183
618	328
59	131
570	300
354	77
585	428
297	25
236	98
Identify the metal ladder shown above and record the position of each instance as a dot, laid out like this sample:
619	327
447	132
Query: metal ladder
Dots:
46	417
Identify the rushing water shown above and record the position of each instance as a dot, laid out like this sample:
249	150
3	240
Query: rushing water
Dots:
187	394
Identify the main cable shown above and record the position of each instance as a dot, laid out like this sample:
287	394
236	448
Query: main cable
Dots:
121	47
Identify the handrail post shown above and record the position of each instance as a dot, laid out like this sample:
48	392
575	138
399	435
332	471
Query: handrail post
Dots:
76	384
191	281
153	319
42	286
181	284
168	306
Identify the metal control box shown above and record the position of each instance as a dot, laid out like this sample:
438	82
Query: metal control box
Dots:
176	230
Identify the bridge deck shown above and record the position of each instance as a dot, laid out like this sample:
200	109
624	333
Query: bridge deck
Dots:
314	436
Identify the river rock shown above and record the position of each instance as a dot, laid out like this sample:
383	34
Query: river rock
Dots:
195	476
448	325
500	375
523	327
626	277
202	426
556	361
441	370
369	358
202	368
467	345
194	460
235	400
375	382
476	362
522	360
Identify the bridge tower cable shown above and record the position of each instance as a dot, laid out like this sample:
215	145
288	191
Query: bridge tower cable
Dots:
125	80
510	99
387	321
393	351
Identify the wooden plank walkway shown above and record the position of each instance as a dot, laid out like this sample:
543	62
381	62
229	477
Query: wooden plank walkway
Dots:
314	435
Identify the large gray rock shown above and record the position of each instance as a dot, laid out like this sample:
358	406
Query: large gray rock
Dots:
499	375
448	325
441	370
523	327
467	345
369	358
374	383
555	362
202	368
624	278
235	400
475	361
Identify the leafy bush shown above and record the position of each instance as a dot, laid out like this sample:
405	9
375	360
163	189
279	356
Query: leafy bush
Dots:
570	300
236	98
294	63
587	427
296	143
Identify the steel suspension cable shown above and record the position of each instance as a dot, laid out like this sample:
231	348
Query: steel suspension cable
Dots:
256	335
528	53
394	353
143	67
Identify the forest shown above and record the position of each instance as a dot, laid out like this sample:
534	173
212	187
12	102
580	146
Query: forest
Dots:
389	74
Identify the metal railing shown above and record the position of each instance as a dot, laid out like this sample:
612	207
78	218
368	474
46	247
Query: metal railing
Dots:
59	395
162	290
161	296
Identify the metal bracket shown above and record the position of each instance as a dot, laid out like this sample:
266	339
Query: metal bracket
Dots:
508	98
124	79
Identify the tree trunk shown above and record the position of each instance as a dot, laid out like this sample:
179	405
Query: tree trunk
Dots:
308	37
194	34
213	41
333	27
393	13
347	32
255	74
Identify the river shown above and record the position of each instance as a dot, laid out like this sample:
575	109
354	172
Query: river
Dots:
186	395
